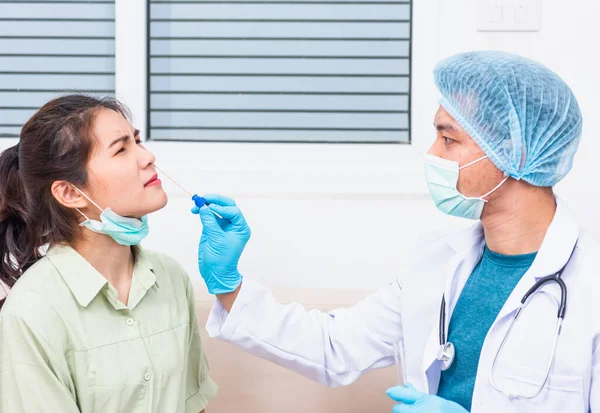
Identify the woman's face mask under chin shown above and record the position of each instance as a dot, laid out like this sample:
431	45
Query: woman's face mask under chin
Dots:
126	231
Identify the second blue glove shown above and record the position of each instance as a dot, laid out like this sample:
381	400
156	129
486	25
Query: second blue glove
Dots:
413	401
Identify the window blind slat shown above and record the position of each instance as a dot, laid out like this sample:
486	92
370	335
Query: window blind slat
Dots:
23	99
302	30
278	135
278	84
64	11
299	48
61	47
280	120
289	11
57	28
57	64
168	101
281	66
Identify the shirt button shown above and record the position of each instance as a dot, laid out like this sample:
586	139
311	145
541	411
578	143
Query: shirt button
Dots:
147	376
130	322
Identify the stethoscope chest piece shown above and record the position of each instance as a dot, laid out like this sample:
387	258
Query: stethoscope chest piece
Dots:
446	355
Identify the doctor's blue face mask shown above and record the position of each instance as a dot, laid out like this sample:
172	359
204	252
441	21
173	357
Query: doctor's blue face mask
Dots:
442	181
124	230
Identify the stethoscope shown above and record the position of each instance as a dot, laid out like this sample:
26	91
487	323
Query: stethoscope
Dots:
447	352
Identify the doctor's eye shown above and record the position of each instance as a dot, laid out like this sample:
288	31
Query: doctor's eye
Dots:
447	141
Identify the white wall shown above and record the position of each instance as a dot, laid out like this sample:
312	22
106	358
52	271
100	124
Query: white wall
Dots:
357	236
567	43
359	241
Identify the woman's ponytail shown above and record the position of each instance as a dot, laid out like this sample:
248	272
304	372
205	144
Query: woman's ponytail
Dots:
16	250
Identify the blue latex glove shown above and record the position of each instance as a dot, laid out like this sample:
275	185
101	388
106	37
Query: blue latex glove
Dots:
221	244
416	402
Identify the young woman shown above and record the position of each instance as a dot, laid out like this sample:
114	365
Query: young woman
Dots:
97	323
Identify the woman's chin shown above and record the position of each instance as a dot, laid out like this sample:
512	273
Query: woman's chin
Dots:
156	204
160	203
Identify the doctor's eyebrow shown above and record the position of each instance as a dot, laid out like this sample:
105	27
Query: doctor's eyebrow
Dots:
445	127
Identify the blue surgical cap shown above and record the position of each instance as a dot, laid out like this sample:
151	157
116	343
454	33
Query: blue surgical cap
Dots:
521	114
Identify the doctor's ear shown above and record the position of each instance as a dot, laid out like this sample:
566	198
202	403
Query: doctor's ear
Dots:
66	195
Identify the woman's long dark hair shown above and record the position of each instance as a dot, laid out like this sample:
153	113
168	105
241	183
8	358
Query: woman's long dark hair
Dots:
55	144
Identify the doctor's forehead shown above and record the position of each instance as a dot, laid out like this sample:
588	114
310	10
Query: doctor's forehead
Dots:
443	122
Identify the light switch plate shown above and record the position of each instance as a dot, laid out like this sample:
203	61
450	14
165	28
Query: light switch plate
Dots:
509	15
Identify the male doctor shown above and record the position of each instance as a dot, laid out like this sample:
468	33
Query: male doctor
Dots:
507	131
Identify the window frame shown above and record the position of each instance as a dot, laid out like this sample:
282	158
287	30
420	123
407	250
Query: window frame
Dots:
284	169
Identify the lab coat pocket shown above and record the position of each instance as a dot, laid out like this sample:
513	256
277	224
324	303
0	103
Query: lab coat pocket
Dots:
561	392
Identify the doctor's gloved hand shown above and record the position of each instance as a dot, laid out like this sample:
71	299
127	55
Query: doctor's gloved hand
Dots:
221	244
413	401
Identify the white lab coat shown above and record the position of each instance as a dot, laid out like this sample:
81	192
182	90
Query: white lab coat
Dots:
336	348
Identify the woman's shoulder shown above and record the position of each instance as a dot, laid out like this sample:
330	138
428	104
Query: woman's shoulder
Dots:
39	282
37	296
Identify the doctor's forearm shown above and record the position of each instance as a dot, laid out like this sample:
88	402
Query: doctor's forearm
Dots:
228	299
333	348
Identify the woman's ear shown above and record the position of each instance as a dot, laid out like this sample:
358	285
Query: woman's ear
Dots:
66	194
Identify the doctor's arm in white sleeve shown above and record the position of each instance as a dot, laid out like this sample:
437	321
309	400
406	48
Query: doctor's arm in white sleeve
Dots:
333	348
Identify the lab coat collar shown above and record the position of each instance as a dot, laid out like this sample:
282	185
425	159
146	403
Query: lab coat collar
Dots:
558	244
464	240
555	251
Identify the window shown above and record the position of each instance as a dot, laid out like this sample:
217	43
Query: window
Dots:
227	94
280	71
49	47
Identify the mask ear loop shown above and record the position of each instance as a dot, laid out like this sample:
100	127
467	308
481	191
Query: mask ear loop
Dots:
494	190
89	199
473	162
